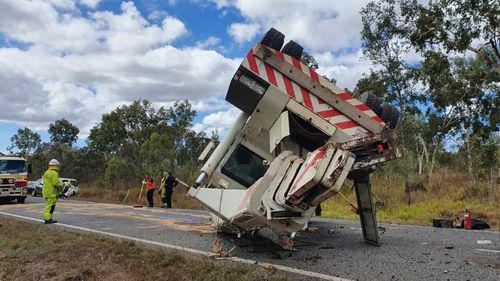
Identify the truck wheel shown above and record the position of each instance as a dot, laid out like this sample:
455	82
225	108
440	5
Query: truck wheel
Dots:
390	115
293	49
21	200
273	39
372	101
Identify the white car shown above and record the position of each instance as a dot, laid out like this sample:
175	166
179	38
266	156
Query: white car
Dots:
68	192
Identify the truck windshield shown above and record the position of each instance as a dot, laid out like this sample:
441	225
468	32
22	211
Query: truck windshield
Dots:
244	166
12	166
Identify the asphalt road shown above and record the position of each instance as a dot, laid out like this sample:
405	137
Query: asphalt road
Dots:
332	247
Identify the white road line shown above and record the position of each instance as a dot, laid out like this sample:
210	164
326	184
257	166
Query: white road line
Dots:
487	250
189	250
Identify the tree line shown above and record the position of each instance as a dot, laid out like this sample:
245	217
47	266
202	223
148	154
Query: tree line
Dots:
127	143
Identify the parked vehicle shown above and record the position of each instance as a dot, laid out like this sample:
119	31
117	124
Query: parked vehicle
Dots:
31	186
68	192
73	189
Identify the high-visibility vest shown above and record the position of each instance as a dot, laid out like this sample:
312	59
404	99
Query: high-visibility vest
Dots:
150	184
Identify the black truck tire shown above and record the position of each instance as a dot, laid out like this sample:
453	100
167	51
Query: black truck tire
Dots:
293	49
372	101
389	115
20	200
273	39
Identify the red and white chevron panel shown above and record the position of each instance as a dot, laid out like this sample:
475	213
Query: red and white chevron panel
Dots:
308	99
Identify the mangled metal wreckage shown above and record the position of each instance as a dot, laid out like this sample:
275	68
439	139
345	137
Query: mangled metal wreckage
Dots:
296	141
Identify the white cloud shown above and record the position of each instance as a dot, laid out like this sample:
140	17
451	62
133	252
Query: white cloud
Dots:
157	14
90	3
63	4
223	119
210	105
243	32
198	128
79	67
210	42
322	25
346	67
219	121
222	3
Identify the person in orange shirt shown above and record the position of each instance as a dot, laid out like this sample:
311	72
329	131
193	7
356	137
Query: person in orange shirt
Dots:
150	188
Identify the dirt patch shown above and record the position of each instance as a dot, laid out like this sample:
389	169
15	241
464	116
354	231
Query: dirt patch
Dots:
488	262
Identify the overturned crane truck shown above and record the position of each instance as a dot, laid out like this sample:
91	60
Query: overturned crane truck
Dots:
297	140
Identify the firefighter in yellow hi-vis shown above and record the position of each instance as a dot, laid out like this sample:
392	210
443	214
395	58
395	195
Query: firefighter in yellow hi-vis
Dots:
52	187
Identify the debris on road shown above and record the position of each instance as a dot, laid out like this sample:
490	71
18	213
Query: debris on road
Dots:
312	229
462	220
276	255
381	230
268	267
217	249
449	247
312	259
483	242
442	223
479	224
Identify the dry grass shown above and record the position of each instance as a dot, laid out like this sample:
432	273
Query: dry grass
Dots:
41	253
447	194
123	194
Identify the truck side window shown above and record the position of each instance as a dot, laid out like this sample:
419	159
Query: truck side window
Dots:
244	166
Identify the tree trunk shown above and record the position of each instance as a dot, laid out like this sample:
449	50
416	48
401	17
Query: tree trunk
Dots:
425	153
491	187
470	168
433	161
420	164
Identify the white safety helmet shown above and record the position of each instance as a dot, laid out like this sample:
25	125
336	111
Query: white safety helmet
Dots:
54	162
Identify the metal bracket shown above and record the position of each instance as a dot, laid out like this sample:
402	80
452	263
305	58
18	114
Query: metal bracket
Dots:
366	207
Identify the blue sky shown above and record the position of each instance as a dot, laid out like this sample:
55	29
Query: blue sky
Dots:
78	59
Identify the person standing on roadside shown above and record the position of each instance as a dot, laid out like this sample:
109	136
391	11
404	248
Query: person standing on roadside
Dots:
170	183
52	187
150	188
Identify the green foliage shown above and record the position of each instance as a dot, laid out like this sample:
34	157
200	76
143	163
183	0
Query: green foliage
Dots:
118	170
180	117
157	154
25	141
83	164
125	129
438	62
309	60
63	132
